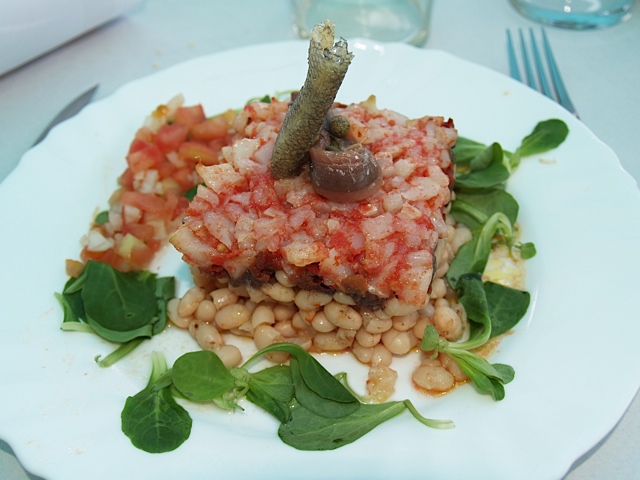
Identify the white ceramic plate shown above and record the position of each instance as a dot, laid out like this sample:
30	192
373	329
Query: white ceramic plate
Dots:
572	353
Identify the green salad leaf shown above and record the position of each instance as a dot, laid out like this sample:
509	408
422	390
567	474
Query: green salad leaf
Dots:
152	419
546	136
121	307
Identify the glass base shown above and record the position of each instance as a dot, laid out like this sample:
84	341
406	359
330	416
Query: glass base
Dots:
574	20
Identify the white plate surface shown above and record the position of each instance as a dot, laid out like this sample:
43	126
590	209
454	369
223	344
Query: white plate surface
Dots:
575	354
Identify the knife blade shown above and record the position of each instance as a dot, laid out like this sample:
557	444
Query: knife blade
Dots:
69	111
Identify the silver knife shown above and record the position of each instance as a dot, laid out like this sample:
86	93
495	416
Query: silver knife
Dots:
69	111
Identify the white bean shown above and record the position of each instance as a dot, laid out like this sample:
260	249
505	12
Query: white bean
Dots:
278	292
381	356
306	315
300	322
363	354
395	307
286	328
321	324
398	343
438	288
283	279
427	310
461	236
346	335
342	316
206	311
190	301
447	322
433	377
303	340
256	295
366	339
232	316
452	366
172	313
420	326
244	330
403	323
374	324
251	305
223	297
283	312
441	302
265	335
229	354
207	336
262	315
278	358
329	342
311	300
343	298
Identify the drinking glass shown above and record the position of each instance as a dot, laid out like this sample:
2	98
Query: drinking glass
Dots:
576	14
381	20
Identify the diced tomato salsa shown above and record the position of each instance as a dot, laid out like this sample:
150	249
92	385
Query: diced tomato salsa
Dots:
151	200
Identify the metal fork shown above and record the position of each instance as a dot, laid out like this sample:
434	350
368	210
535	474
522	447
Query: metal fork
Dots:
559	93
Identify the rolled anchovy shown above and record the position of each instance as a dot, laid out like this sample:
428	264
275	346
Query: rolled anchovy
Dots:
328	64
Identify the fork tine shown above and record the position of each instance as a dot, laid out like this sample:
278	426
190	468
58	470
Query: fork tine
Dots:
556	78
542	80
525	59
513	63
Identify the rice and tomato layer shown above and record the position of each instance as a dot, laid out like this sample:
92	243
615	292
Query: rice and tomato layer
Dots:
246	225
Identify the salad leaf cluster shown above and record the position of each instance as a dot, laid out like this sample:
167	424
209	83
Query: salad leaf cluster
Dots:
121	307
482	203
316	410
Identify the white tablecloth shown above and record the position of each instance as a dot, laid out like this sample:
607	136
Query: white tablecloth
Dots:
601	69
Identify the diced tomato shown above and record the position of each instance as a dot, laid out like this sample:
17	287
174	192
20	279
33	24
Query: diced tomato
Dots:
141	231
210	129
184	177
169	137
146	156
170	205
126	179
136	243
141	255
145	134
217	144
134	252
166	169
107	256
147	202
189	116
181	207
197	152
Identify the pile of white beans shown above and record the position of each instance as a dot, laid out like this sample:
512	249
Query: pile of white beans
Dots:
321	322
